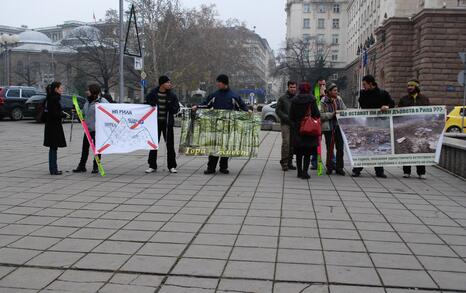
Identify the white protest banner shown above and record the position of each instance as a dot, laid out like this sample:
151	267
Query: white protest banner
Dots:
125	128
397	137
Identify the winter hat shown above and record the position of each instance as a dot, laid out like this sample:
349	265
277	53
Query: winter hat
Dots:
305	88
223	78
330	87
163	79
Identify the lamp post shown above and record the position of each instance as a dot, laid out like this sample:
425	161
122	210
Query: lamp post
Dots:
7	41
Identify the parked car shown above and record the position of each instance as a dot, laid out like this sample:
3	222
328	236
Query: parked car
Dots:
35	105
268	113
13	99
453	124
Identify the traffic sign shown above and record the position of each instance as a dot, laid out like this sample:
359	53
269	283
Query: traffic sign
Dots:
143	75
461	77
137	63
144	82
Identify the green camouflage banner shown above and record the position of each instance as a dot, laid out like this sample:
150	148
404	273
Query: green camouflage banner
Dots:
220	133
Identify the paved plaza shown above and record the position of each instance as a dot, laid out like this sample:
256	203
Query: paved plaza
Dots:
256	230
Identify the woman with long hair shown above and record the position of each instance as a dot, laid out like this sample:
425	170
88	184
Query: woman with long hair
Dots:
302	105
54	137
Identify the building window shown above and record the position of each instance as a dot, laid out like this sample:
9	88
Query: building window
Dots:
336	8
320	39
306	37
321	23
19	67
320	51
336	23
335	76
306	7
307	23
335	39
322	8
334	57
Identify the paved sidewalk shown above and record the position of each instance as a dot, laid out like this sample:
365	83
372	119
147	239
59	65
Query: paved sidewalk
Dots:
255	230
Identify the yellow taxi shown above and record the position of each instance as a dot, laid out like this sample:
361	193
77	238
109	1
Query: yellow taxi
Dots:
453	124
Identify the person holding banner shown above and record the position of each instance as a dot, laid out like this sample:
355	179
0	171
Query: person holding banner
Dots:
329	105
319	92
93	96
373	97
54	136
283	112
414	98
223	99
304	145
167	107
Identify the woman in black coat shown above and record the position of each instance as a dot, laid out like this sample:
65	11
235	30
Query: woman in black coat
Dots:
54	137
303	145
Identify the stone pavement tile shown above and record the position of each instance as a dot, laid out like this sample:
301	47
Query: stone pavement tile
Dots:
88	214
427	238
132	235
254	254
121	215
450	280
30	278
108	224
300	243
5	271
343	245
299	232
446	264
149	264
189	218
52	231
181	227
260	230
84	276
256	241
221	229
173	237
187	282
262	221
283	287
93	233
118	247
99	261
10	219
135	279
299	256
395	261
353	275
162	249
208	251
406	278
431	249
379	236
347	259
144	225
117	288
67	286
215	239
300	272
37	220
16	256
32	242
76	245
461	250
387	247
199	267
228	285
72	222
255	270
411	291
355	289
55	259
339	234
7	239
181	289
454	239
299	223
16	229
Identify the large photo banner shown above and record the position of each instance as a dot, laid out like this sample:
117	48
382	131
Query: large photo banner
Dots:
125	128
219	133
400	136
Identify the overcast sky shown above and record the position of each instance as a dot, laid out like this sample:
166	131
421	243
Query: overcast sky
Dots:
267	15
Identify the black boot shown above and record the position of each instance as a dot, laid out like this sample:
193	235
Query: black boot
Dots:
306	163
80	169
299	166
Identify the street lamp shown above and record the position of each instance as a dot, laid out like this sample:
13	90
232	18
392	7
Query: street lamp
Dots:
7	41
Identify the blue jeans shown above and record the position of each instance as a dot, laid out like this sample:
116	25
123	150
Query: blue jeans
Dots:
53	159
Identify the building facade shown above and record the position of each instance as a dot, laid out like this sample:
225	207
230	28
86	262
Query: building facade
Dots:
322	23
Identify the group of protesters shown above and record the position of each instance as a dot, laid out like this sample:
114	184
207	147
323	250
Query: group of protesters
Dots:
298	103
326	102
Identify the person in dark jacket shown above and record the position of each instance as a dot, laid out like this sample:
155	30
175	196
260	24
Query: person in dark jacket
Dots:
414	98
373	97
283	112
54	137
223	99
303	145
93	92
167	107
